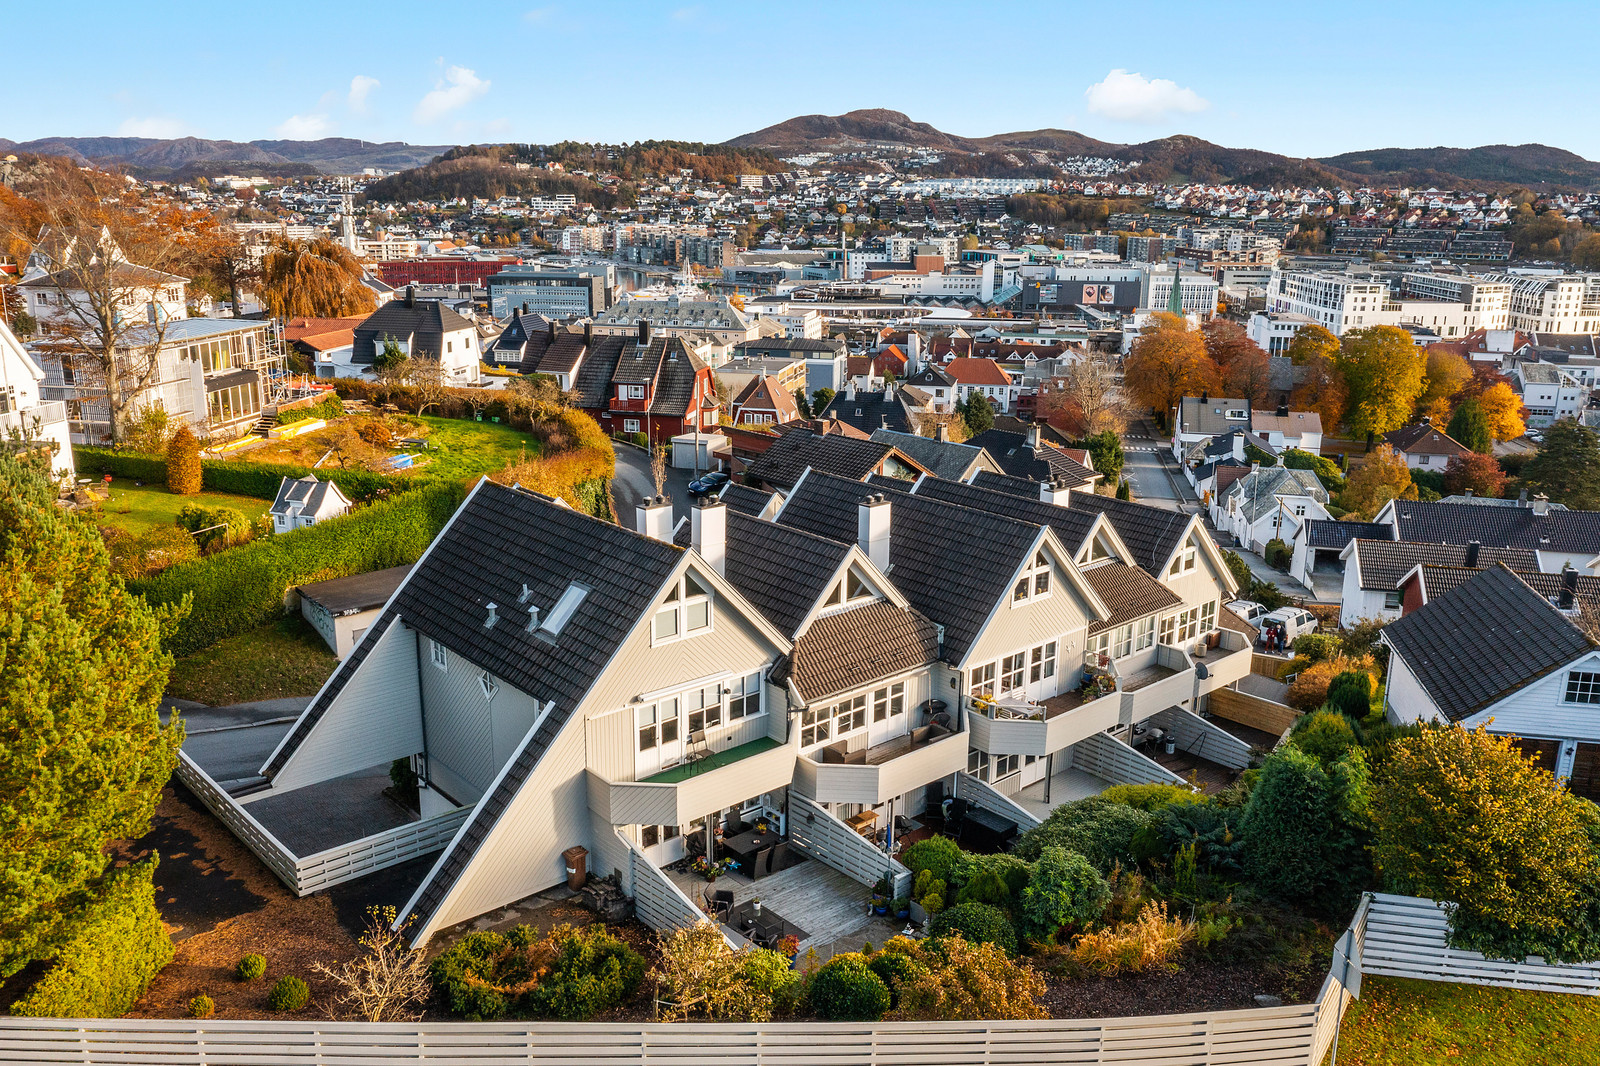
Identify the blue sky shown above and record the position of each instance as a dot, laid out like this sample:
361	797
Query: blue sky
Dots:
1303	79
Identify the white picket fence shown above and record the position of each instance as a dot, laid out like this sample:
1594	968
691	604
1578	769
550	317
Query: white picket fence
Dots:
1407	937
815	831
335	865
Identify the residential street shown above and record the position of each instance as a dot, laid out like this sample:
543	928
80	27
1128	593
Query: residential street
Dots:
633	483
1151	471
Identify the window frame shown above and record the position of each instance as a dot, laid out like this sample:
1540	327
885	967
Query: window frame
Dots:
438	654
681	605
488	686
1582	688
1034	584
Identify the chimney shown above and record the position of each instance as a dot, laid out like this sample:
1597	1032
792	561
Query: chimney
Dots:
888	390
914	351
644	331
1255	468
1541	504
524	306
1466	494
552	330
1205	395
872	529
653	518
588	334
1283	410
1472	554
1238	446
941	433
1522	498
1055	491
411	296
850	394
1569	586
883	421
1033	436
708	532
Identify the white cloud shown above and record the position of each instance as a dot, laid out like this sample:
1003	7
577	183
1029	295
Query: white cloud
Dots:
459	87
1127	97
304	127
360	87
157	126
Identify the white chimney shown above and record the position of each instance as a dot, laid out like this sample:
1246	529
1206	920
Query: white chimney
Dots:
654	518
708	532
850	390
1541	504
872	529
1033	436
1055	491
941	433
1238	446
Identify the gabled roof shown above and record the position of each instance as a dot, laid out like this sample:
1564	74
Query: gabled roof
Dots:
1384	563
1258	491
1129	592
1151	533
307	495
420	318
1424	439
1071	526
868	411
1519	527
782	571
790	455
765	394
977	372
1020	459
1015	486
1480	642
845	651
745	498
931	377
1330	533
944	459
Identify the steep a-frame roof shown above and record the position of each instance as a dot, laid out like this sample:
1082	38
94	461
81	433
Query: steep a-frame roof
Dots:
1151	533
1071	526
857	647
1480	642
790	455
782	571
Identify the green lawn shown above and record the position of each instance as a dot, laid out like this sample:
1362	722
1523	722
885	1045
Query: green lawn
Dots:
684	771
459	448
140	508
282	658
1400	1022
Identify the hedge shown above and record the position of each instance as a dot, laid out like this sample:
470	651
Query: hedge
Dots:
328	409
119	948
237	590
237	477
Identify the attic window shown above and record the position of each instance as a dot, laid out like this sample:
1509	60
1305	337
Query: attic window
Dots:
1234	414
562	611
488	685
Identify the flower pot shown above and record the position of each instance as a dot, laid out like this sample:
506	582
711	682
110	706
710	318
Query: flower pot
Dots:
711	877
880	908
903	914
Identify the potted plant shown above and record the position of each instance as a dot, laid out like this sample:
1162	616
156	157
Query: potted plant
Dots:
713	868
789	945
880	906
901	908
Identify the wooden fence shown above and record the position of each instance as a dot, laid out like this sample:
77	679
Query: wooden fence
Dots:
1109	758
815	831
983	795
1253	711
1203	740
332	866
1296	1035
657	900
1408	937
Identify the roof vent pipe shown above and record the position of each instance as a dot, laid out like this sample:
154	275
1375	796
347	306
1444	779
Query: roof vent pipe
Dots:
533	619
527	593
488	623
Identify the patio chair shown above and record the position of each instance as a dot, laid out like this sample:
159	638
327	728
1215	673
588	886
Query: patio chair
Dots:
758	863
719	902
780	857
697	748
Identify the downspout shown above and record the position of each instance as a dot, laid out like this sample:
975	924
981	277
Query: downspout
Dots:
422	713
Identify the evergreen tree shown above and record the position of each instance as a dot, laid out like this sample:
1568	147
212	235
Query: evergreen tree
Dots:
1567	468
1124	490
1469	428
83	754
978	414
1304	829
183	462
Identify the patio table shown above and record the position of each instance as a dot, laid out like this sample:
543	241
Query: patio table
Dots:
744	847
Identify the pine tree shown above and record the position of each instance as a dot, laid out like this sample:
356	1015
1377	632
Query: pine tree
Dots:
1470	429
1124	490
83	753
183	463
978	414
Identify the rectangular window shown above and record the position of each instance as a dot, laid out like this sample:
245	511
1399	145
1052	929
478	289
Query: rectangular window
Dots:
1011	671
1144	633
635	392
1208	616
666	624
1583	687
1122	642
1042	662
1006	765
645	721
437	653
744	699
982	680
630	425
815	726
849	715
889	702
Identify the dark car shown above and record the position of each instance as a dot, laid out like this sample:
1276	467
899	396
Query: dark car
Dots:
708	484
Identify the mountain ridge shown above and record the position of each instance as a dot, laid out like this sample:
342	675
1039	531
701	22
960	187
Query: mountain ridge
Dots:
160	157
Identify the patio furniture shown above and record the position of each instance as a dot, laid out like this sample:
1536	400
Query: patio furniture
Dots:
760	864
862	823
981	829
719	902
780	857
745	847
697	749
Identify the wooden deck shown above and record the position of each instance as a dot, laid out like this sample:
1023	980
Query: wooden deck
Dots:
823	902
1211	777
1143	678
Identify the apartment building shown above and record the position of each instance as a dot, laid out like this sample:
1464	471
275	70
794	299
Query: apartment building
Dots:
1451	306
1552	303
554	293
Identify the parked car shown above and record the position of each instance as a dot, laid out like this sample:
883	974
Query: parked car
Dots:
1289	622
1249	610
708	484
1535	436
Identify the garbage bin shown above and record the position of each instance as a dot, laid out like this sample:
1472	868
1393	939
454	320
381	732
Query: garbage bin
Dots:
577	860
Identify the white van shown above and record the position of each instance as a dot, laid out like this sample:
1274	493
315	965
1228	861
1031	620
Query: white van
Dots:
1290	621
1249	610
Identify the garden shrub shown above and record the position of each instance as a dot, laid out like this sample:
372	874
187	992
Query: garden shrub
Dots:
1212	825
234	526
1064	891
251	967
117	949
183	462
951	979
1324	735
977	923
1099	830
896	971
327	410
571	974
986	886
1012	871
1151	797
937	855
202	1006
1309	690
700	976
1351	694
1304	829
1316	647
1278	554
288	993
1326	469
235	591
1153	939
846	990
241	477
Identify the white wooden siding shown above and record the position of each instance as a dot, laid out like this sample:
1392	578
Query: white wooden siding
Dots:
1541	709
374	719
823	837
1407	700
1199	737
1062	616
1110	759
872	785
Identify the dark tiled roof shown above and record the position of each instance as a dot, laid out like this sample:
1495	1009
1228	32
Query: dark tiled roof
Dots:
675	379
360	592
1424	438
942	458
868	411
1510	527
857	647
787	458
1012	452
745	499
592	383
782	571
1384	563
930	541
1480	642
1331	533
825	346
1071	526
1129	592
1015	486
1151	533
425	321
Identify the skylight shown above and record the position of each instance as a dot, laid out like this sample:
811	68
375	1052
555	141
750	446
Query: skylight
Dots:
562	611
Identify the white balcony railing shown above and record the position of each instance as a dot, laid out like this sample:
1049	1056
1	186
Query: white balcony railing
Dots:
36	418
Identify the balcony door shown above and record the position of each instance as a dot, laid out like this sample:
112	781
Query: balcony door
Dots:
1043	677
660	737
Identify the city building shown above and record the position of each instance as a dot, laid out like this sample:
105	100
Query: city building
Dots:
552	293
424	329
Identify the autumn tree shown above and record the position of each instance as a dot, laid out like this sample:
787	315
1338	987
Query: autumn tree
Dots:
1470	429
427	378
217	261
183	462
1320	388
1226	342
1311	342
1085	400
1444	374
1567	467
1169	362
114	258
1383	477
1478	474
84	754
1249	376
1503	410
319	278
1467	818
1383	371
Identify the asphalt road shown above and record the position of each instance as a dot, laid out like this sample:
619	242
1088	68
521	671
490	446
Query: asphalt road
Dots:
633	483
1151	471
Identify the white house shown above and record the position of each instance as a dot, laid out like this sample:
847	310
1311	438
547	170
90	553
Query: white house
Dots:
1267	504
306	501
1375	569
23	412
1284	428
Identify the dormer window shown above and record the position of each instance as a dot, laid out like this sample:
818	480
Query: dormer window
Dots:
1183	562
1235	414
1098	551
685	612
1035	581
850	592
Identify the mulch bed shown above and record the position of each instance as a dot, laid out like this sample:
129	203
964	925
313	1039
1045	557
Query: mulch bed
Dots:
1197	987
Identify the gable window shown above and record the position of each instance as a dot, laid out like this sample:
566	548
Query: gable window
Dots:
1583	686
851	591
438	655
982	681
1183	562
635	392
685	611
1034	582
486	682
889	702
